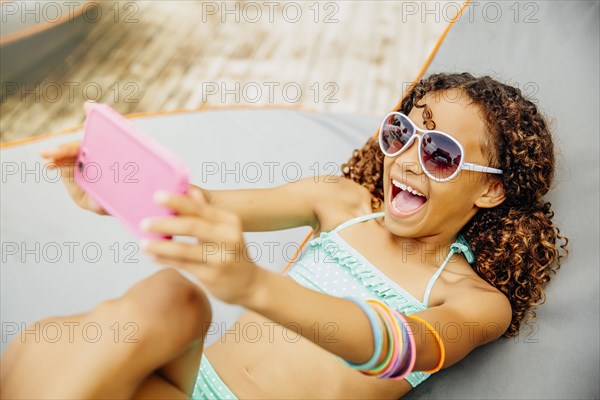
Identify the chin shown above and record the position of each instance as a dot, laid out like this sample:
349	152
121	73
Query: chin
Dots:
403	227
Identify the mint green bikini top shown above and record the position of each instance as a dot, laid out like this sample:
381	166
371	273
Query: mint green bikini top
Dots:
330	265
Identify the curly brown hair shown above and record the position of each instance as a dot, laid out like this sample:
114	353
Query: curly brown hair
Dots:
518	249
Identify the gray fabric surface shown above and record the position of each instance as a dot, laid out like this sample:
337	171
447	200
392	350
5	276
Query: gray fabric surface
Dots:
555	60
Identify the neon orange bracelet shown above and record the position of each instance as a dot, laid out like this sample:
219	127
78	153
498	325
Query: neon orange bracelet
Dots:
439	341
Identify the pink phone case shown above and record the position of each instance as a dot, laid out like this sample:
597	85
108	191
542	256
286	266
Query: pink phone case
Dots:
122	168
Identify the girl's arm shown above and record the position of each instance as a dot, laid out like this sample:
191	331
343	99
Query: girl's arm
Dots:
471	315
287	206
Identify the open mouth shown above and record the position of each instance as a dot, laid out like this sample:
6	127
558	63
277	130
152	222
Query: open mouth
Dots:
405	200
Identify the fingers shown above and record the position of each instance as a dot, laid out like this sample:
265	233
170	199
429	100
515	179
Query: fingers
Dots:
64	150
221	227
214	228
179	226
181	204
175	253
195	204
61	154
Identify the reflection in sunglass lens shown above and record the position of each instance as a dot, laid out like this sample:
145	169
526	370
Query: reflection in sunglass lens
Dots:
396	132
441	155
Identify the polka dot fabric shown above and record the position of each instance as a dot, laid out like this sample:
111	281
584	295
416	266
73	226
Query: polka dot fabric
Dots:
330	265
209	385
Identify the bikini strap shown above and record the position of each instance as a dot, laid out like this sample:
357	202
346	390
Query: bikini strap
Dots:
460	246
356	220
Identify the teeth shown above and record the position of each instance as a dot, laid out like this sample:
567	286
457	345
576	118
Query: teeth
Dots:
407	188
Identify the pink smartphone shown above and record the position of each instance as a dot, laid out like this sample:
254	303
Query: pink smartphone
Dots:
122	169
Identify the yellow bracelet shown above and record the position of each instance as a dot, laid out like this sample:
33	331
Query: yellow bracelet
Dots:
439	341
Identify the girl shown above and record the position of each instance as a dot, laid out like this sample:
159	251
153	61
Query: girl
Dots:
441	218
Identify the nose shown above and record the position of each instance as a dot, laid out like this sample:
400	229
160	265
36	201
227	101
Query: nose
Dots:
408	161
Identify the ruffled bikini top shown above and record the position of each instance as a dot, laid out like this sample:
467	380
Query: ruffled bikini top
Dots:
330	265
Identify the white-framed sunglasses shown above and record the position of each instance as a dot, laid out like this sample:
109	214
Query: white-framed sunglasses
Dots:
441	156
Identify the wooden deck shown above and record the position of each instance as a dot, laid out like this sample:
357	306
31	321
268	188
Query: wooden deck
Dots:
350	56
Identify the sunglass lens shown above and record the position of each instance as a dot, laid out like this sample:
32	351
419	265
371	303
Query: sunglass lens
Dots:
395	133
441	155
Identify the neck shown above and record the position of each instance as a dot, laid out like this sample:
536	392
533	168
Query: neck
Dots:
430	250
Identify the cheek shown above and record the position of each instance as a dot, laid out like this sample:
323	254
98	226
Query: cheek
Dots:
387	162
387	165
454	196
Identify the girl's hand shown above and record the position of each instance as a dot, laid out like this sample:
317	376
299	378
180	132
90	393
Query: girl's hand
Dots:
64	158
218	258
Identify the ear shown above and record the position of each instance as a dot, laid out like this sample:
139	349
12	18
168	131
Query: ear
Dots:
492	195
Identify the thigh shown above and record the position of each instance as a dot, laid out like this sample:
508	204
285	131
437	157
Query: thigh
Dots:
156	327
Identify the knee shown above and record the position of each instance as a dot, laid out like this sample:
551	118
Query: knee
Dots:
168	304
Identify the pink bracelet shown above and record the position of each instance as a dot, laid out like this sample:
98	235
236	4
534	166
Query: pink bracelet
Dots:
391	362
411	356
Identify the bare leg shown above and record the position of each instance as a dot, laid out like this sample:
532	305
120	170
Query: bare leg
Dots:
150	340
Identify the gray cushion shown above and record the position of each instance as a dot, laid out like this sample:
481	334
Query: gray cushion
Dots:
556	61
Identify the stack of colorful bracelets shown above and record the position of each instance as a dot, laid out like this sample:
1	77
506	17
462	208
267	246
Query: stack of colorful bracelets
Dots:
401	356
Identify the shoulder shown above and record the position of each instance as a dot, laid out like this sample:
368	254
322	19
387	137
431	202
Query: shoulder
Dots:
328	188
333	199
481	303
339	199
471	315
354	192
